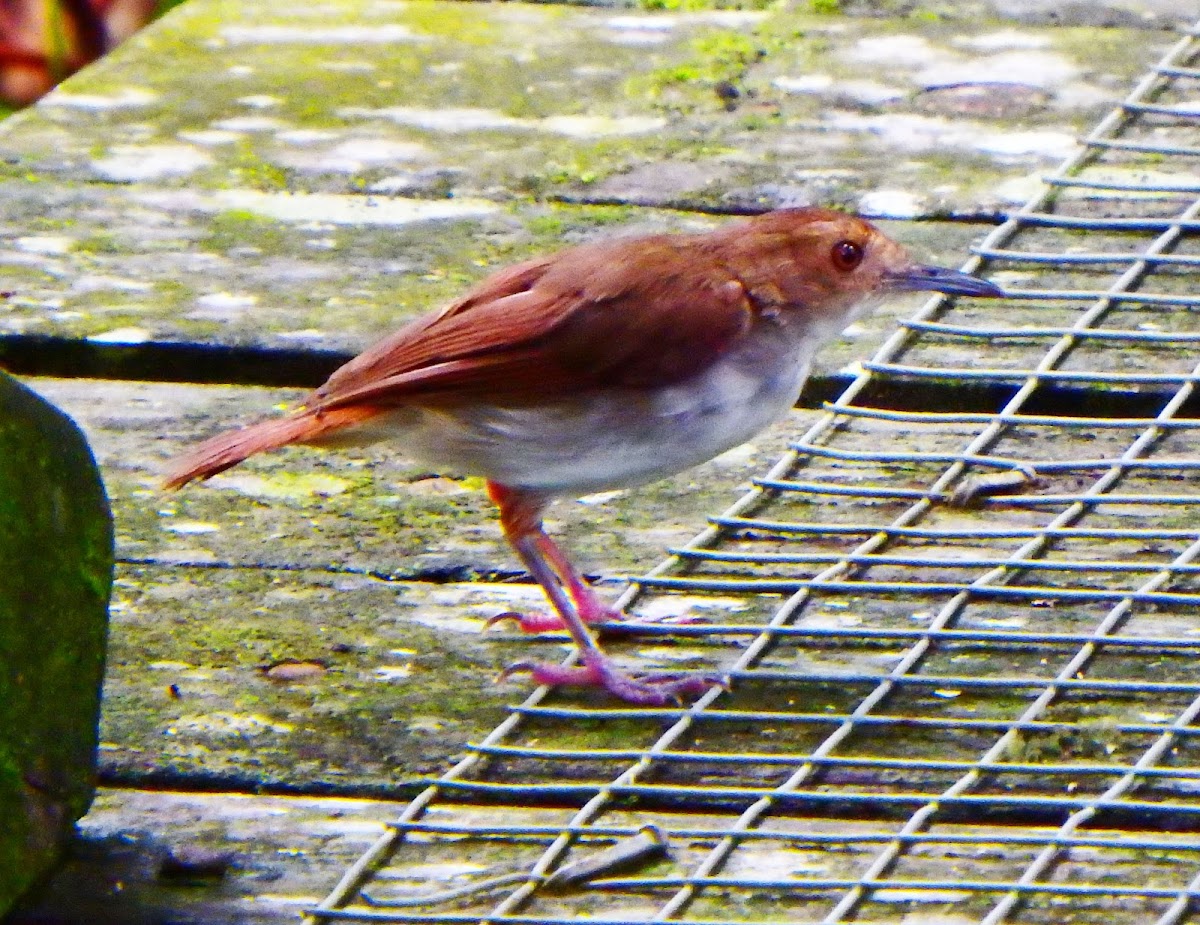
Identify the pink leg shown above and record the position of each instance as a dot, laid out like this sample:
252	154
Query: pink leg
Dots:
574	601
586	602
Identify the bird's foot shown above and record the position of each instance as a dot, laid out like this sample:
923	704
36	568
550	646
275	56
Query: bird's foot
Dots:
650	690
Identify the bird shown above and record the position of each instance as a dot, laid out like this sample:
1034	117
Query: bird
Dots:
606	365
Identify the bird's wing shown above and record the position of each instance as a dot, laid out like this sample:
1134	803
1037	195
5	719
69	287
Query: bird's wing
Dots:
621	314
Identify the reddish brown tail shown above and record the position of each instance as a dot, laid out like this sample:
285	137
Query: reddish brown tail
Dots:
230	448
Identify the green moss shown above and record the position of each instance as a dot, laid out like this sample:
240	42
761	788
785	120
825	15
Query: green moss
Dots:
353	725
239	228
448	20
550	225
558	220
100	242
716	73
56	546
1088	45
251	171
570	164
719	57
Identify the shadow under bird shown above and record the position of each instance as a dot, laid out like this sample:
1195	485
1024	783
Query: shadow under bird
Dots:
603	366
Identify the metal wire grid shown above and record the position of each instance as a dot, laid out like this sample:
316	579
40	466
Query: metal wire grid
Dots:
984	712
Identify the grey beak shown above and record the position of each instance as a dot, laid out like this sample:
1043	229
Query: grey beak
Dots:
939	279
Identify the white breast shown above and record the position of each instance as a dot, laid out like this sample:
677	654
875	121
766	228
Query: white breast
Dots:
616	438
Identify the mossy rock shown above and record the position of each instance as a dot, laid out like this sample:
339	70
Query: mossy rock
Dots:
56	560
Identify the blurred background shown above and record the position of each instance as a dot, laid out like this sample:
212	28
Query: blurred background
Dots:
44	41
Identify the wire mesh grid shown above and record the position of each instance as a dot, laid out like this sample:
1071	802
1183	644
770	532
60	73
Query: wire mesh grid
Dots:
963	643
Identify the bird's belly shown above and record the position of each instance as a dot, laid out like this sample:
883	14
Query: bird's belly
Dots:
611	439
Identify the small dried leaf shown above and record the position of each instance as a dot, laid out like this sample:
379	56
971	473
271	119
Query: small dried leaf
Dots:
295	672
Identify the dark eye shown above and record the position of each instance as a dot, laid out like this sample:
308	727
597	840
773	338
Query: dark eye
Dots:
846	255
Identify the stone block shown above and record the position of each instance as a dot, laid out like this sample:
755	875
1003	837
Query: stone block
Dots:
56	560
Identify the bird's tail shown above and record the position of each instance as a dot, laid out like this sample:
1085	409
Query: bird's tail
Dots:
228	449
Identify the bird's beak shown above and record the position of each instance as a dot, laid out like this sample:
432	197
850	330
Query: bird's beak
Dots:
917	277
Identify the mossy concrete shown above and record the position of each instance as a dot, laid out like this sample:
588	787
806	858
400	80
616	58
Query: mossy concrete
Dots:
57	556
149	857
99	264
385	682
726	107
253	679
269	856
368	510
327	184
313	621
373	575
375	579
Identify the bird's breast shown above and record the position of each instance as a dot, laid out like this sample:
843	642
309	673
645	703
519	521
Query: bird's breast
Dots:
616	438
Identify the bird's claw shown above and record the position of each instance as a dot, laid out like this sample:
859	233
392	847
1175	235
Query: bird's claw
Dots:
652	690
518	618
533	623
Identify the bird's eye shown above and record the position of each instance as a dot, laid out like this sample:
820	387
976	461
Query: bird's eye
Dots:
846	255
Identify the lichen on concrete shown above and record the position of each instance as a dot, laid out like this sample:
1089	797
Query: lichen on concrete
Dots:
500	106
192	699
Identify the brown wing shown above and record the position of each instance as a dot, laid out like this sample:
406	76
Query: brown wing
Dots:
637	313
398	353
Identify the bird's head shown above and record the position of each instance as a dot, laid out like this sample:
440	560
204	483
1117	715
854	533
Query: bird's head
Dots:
827	263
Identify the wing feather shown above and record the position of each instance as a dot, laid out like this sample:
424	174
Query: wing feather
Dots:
227	449
635	313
